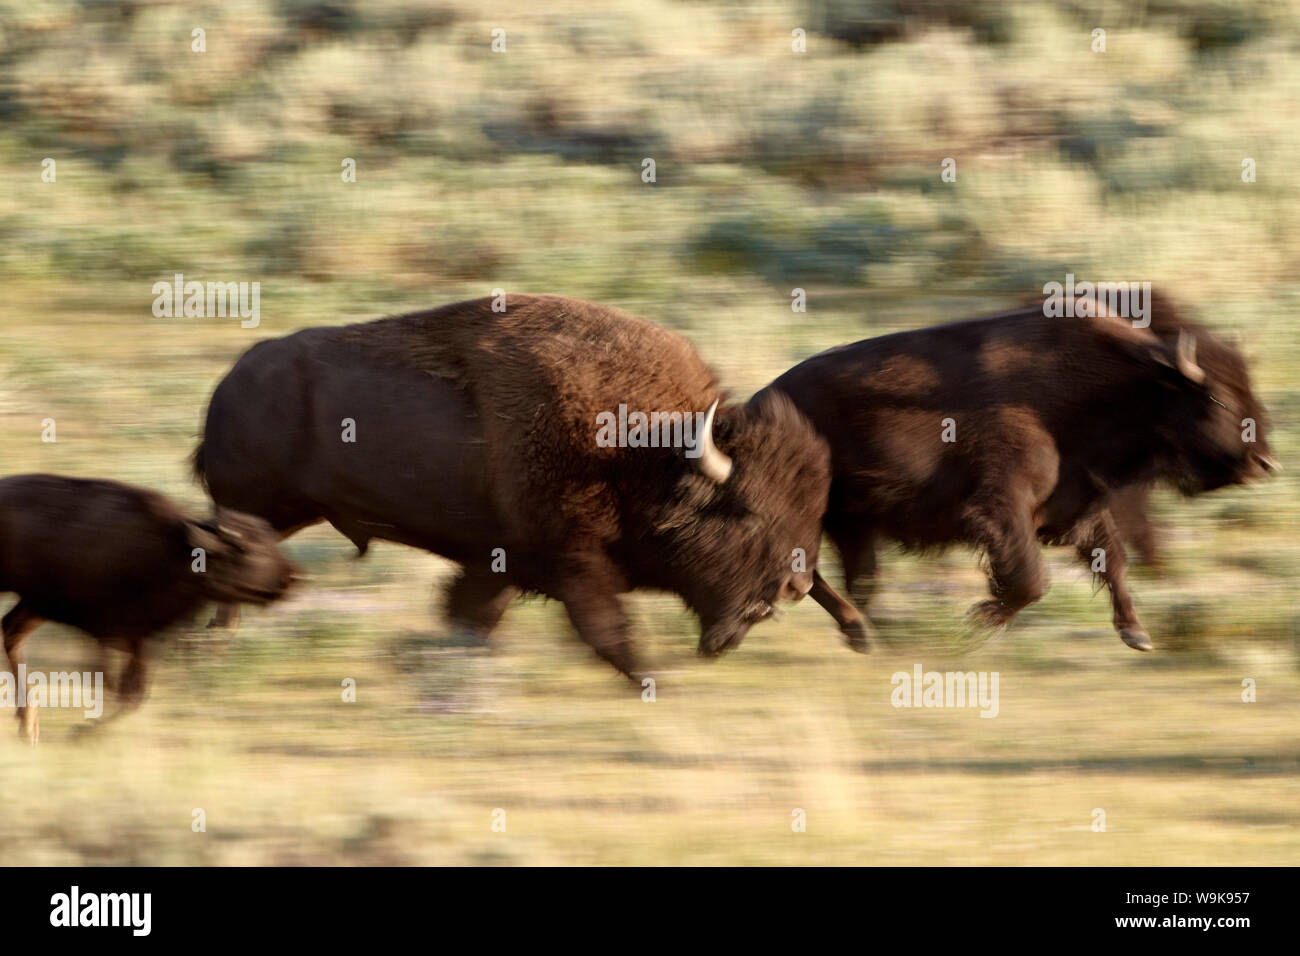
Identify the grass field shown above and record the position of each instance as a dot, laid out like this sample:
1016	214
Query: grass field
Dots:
775	170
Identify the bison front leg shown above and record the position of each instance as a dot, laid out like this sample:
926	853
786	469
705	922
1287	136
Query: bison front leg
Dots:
854	627
857	549
130	685
477	600
1130	510
1097	543
1016	574
126	686
591	599
17	624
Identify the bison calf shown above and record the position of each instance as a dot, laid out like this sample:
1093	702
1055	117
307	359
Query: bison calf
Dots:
120	563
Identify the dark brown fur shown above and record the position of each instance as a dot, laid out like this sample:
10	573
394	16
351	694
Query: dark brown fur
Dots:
116	561
1051	414
476	430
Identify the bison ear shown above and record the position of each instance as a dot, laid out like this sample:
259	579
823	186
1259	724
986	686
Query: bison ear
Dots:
229	524
205	535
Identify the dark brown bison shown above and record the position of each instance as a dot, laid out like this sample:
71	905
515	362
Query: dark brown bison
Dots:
475	434
1007	431
119	563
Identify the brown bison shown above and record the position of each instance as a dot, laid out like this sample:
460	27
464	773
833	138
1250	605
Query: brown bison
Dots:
119	563
1006	431
484	436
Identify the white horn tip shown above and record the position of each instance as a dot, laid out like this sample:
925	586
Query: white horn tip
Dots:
713	464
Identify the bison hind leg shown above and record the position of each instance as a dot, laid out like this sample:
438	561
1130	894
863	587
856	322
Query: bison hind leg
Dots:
1017	577
17	624
477	600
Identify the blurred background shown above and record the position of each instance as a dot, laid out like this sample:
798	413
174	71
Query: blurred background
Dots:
774	170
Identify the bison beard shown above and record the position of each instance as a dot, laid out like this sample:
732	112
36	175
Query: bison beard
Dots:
1050	416
117	562
476	431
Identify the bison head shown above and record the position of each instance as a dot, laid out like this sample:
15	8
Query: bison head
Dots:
1216	427
743	527
243	561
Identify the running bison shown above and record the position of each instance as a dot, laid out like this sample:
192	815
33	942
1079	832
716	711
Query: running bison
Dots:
484	436
119	563
1003	432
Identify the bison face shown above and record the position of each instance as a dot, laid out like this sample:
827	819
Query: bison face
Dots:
749	540
1221	427
243	561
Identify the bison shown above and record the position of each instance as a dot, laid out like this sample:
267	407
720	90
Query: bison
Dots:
119	563
1006	431
476	434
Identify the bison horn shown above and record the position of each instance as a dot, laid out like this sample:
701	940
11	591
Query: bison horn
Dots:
1186	357
711	462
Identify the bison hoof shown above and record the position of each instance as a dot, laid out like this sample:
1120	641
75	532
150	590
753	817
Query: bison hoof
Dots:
989	614
1136	638
857	635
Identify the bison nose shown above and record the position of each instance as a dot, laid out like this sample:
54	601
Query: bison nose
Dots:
796	586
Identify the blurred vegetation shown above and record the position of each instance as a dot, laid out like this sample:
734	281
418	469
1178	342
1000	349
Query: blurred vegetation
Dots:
774	170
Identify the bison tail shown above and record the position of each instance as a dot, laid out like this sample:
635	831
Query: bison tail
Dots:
199	467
